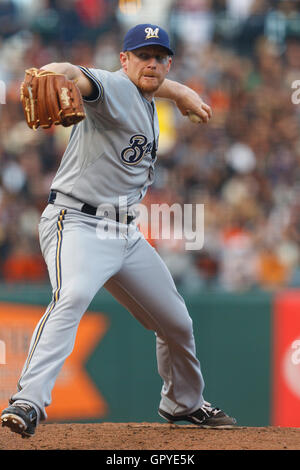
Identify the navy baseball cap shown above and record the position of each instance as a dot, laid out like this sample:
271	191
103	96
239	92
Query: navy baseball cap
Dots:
146	35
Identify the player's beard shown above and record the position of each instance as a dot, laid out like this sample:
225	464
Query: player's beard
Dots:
149	85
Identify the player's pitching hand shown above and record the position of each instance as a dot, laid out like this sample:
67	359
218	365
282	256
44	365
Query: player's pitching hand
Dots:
191	104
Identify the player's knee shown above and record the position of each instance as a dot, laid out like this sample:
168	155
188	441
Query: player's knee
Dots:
181	329
76	297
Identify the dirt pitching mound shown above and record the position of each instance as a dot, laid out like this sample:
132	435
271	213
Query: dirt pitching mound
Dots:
150	436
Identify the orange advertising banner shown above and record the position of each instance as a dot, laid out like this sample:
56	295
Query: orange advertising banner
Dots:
286	360
74	395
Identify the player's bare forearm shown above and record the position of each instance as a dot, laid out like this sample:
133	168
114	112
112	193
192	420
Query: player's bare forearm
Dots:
72	72
186	99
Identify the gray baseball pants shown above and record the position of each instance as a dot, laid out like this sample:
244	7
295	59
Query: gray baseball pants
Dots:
83	253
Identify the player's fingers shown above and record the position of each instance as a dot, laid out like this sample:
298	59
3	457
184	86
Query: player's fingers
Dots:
208	109
204	114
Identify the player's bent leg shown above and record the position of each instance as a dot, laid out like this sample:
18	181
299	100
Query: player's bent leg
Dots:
176	359
76	277
145	287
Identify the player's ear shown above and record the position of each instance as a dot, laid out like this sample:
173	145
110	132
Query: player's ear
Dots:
169	63
124	59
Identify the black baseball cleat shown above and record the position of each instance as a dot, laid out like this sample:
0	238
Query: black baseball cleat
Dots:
206	417
20	418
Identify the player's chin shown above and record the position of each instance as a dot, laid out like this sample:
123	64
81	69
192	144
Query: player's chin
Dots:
150	84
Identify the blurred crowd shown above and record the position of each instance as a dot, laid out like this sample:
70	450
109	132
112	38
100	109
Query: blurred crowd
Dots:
243	58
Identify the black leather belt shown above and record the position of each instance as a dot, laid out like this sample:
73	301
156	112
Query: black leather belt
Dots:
91	210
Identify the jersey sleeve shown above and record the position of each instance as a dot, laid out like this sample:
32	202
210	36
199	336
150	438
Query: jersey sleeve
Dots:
99	92
114	93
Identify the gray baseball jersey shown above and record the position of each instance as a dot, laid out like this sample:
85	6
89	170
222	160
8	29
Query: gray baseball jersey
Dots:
112	152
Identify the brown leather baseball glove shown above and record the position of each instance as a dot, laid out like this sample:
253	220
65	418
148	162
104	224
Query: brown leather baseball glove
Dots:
50	98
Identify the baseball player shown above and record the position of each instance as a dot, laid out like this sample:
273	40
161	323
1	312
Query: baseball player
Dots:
89	237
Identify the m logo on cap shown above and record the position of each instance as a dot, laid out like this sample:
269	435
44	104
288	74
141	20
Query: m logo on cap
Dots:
150	33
